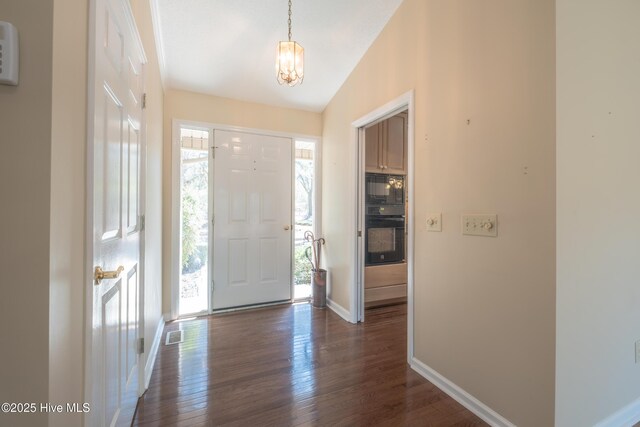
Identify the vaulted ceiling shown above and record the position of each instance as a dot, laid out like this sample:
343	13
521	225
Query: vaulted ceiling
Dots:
227	48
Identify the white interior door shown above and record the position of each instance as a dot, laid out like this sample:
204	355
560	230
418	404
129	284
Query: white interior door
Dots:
252	233
116	190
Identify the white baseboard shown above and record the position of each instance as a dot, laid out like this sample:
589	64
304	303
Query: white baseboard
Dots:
153	353
339	310
625	417
465	399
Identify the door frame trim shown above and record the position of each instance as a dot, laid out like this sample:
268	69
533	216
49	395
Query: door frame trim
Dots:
176	124
405	102
89	212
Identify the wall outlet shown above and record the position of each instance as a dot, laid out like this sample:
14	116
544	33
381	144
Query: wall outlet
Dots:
434	222
480	225
638	351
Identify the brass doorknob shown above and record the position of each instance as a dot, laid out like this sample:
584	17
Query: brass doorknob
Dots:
287	227
99	274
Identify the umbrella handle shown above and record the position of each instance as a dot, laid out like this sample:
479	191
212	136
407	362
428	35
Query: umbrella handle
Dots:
320	242
308	236
307	253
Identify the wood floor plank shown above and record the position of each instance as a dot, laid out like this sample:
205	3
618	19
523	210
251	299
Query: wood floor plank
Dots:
293	366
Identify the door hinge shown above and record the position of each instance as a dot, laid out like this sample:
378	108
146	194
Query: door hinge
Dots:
140	348
359	233
142	222
213	220
213	283
144	101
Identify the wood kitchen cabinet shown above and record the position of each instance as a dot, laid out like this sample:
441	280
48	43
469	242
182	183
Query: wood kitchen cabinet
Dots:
386	146
385	284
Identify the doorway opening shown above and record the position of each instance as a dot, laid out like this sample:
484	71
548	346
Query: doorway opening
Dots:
384	195
304	215
384	207
194	222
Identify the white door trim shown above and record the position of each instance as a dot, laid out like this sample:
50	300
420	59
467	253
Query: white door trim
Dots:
403	102
174	267
143	358
89	212
176	124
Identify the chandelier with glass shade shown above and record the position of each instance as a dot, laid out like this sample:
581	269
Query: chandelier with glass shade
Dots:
290	60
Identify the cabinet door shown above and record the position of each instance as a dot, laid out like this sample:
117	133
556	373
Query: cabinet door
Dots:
373	148
395	147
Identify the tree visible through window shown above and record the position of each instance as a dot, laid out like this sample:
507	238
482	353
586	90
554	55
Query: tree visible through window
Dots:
194	210
304	218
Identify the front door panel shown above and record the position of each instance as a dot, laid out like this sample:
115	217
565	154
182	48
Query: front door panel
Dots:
252	211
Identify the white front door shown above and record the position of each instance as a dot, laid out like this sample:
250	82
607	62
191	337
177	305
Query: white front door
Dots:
252	219
115	169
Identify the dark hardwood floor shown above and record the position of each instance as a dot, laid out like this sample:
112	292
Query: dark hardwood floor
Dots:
293	365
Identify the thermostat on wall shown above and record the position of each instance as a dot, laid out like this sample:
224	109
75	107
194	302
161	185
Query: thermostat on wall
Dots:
8	54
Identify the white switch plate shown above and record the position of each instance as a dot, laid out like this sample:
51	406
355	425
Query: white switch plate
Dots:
638	351
434	222
480	225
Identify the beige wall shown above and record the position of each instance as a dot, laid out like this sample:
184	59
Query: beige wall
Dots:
221	111
484	307
68	182
25	166
153	185
598	148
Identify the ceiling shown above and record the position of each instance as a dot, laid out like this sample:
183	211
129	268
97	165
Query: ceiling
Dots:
227	48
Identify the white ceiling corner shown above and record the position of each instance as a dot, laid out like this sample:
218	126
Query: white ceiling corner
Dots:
227	47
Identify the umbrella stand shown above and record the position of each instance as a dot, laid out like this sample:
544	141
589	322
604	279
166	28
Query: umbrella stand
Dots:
318	275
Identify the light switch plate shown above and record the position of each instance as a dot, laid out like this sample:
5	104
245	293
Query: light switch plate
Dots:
480	225
638	351
434	222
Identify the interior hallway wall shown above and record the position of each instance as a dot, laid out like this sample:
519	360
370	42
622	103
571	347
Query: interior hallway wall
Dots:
484	80
25	169
598	240
68	203
197	107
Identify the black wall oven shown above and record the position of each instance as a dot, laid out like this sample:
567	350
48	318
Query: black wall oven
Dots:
384	239
384	219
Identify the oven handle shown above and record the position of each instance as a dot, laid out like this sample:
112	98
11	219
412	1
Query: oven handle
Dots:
378	220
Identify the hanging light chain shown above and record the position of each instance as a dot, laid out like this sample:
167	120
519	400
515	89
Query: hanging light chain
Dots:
289	20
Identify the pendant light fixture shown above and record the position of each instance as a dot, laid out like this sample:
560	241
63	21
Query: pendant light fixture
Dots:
290	60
